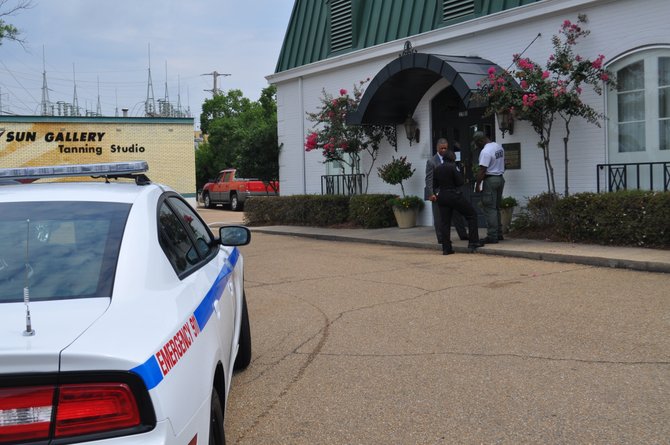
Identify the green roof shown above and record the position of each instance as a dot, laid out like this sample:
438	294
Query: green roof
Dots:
319	29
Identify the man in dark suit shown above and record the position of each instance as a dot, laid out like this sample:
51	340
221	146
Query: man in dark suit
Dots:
442	147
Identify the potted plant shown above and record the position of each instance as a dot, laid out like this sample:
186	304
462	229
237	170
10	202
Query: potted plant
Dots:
405	208
507	205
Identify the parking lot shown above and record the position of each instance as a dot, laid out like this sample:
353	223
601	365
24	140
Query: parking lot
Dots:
368	344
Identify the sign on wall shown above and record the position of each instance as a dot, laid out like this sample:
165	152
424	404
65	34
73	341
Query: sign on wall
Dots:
512	156
167	147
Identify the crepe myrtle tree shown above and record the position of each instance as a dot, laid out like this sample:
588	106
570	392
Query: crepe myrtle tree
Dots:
546	93
341	143
572	72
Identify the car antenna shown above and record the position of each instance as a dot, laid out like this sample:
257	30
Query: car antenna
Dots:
26	290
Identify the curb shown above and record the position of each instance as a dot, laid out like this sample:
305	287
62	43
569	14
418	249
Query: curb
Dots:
598	261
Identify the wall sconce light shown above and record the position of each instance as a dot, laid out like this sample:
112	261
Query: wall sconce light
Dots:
505	121
411	129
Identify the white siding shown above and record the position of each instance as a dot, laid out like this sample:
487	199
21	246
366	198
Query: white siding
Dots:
617	27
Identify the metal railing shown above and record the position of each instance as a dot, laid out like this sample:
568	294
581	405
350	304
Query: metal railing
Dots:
633	175
347	185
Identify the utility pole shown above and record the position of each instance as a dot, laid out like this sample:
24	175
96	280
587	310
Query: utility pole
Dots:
215	75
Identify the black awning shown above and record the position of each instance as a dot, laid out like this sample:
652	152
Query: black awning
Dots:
398	87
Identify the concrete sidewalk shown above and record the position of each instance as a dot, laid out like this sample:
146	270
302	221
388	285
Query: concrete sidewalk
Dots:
643	259
423	237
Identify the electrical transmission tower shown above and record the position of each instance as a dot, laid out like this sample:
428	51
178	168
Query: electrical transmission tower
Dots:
150	103
45	106
75	100
215	75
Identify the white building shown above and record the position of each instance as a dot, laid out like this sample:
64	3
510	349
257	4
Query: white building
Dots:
335	44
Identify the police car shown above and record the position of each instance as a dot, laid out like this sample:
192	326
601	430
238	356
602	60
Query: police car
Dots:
122	317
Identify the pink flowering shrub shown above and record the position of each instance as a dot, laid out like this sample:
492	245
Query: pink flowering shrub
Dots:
340	142
544	93
500	91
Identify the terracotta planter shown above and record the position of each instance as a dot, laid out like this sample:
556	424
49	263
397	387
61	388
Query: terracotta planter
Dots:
405	218
506	218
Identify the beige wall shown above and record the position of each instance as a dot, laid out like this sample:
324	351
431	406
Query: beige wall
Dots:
168	147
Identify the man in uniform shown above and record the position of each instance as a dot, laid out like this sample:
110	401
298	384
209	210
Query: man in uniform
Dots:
490	182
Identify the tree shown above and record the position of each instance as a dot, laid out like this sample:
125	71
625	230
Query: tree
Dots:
220	122
546	93
240	133
538	106
7	30
340	142
260	156
573	71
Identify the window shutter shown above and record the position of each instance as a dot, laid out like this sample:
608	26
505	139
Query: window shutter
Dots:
454	9
340	25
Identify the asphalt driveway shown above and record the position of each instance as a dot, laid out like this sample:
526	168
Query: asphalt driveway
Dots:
372	344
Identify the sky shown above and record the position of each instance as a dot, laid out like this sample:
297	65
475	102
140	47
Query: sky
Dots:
105	48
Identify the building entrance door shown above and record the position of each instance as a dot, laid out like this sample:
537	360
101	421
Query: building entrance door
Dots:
451	120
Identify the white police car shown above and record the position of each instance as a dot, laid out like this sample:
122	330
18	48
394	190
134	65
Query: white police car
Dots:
121	316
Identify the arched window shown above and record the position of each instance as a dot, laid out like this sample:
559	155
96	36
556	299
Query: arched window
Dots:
639	109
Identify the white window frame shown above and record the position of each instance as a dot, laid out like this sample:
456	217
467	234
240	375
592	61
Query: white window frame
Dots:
652	152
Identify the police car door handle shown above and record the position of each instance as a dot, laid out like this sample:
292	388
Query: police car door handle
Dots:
217	309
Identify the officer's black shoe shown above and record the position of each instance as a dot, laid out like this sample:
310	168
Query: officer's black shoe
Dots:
488	240
500	238
473	246
447	249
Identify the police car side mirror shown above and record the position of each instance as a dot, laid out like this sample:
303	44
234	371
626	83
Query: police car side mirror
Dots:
234	235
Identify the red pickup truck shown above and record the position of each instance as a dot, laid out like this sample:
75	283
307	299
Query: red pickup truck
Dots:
227	189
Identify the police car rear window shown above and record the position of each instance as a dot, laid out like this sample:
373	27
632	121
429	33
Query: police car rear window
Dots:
59	250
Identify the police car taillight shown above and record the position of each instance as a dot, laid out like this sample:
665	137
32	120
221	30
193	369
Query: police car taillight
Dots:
80	409
94	408
25	413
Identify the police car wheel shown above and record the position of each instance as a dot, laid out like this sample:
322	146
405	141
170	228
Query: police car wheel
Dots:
216	433
244	353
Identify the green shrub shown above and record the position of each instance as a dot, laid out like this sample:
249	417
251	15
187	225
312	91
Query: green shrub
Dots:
396	171
625	218
371	211
297	210
261	211
407	202
538	214
327	210
508	202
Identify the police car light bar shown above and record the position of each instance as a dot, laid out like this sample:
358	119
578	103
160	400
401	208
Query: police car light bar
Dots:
58	171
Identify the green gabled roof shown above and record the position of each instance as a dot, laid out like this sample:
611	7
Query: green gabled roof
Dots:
373	22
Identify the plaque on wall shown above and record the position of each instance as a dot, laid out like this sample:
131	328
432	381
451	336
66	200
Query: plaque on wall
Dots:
512	156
